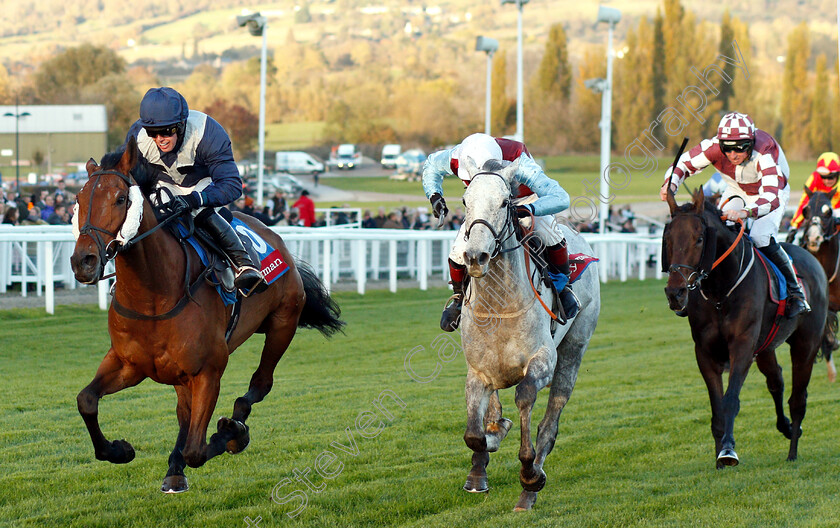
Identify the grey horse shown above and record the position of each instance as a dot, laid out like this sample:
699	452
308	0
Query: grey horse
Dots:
507	334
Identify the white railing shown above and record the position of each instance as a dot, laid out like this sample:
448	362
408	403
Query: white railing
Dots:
338	255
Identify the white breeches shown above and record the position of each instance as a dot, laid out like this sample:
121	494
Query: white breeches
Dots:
762	228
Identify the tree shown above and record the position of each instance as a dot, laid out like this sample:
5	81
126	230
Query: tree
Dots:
659	80
554	76
727	37
633	99
240	124
795	102
500	105
60	79
586	114
819	126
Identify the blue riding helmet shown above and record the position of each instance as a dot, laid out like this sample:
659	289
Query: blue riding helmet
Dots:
162	107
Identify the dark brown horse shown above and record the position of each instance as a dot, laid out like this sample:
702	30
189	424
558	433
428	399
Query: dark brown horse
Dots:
168	324
725	297
820	238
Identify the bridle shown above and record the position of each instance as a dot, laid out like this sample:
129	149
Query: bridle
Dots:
707	255
508	229
124	238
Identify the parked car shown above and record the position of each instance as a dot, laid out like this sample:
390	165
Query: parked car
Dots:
297	162
411	162
282	182
389	156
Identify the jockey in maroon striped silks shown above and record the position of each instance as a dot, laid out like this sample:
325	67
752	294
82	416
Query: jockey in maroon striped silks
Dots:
756	172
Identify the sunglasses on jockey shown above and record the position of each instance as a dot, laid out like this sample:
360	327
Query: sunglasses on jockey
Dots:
831	176
741	145
167	131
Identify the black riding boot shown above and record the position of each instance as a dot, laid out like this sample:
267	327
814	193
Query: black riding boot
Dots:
451	317
796	298
247	276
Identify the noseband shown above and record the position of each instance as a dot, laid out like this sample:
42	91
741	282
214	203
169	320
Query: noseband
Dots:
707	258
508	230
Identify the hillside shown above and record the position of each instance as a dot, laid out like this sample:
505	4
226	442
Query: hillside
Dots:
176	30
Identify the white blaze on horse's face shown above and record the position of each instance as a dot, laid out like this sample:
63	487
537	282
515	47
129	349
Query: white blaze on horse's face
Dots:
486	201
814	237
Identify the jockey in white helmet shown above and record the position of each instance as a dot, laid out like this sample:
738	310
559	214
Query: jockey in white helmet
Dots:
538	195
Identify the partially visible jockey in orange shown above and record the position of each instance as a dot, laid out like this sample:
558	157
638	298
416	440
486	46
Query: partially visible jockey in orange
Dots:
823	179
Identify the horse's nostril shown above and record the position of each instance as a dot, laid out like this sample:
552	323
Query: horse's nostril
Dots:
89	262
484	258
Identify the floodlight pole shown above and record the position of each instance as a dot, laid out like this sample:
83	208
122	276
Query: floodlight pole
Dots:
520	126
261	155
488	93
611	16
17	115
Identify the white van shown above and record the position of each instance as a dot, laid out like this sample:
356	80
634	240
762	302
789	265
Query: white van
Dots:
297	162
389	156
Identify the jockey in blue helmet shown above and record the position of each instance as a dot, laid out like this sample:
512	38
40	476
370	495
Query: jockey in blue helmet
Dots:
191	156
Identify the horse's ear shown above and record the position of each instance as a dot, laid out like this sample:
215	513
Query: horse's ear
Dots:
91	166
808	191
699	200
508	172
832	193
672	202
129	157
469	165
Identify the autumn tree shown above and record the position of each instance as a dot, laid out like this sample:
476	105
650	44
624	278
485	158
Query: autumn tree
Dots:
819	127
795	101
241	125
633	96
554	75
60	79
584	133
501	106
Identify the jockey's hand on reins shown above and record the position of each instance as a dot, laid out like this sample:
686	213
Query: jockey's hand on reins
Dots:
179	205
438	205
524	211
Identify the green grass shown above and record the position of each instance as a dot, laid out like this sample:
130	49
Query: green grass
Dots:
292	136
634	447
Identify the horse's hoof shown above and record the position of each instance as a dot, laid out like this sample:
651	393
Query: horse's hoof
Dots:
784	428
477	484
727	457
535	484
175	484
236	431
527	499
117	452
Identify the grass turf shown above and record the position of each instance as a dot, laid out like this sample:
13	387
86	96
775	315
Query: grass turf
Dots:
634	447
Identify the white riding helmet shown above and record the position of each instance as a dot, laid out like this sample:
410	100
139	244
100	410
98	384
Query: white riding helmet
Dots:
479	147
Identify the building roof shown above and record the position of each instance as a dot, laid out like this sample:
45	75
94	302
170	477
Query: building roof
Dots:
44	119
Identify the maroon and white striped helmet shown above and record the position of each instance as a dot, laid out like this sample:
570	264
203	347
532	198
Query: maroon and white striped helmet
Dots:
735	126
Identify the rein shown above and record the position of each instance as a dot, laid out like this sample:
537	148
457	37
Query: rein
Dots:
109	251
508	230
699	273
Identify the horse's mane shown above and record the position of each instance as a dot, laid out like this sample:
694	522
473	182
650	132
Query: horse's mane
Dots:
142	172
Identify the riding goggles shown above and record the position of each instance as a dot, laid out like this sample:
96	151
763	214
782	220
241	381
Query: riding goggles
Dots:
167	131
831	176
736	146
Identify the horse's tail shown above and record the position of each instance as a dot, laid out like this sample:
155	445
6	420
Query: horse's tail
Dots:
320	312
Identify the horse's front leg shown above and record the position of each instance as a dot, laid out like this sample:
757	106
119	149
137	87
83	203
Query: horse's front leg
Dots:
205	392
176	481
112	376
478	397
739	367
537	376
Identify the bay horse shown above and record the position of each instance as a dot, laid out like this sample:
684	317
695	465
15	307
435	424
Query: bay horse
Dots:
167	323
507	336
820	238
716	279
